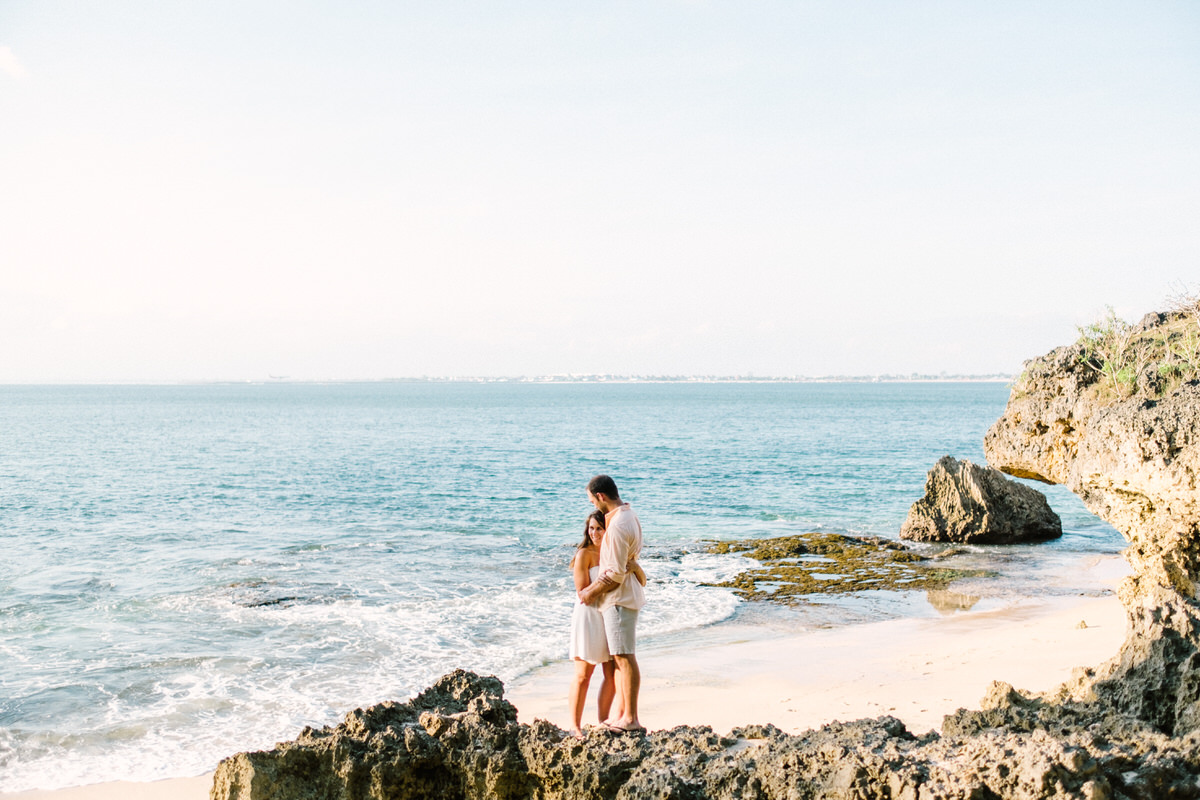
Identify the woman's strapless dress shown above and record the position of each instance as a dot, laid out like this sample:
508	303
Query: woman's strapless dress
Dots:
588	641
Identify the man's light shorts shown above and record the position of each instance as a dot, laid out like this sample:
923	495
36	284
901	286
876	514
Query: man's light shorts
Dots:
620	628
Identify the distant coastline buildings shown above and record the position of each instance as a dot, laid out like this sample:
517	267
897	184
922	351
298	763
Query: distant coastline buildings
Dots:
913	377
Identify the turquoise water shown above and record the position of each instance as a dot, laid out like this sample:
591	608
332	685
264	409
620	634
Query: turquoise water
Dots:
191	571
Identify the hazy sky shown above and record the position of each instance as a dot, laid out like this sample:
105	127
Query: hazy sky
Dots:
230	190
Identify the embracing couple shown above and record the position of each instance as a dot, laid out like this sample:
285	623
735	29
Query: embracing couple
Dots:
608	583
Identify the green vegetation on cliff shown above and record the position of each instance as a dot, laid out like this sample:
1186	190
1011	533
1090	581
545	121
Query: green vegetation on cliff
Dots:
1150	358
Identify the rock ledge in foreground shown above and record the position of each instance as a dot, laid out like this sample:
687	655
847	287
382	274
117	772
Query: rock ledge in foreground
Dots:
460	739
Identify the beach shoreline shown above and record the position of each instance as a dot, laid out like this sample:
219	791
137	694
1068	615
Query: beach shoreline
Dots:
733	674
915	669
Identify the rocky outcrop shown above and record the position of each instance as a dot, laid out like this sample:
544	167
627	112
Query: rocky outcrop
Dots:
969	504
1133	456
460	739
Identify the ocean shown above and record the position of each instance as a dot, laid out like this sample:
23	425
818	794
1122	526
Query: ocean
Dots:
194	570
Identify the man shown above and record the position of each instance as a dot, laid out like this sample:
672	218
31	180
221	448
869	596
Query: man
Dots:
618	594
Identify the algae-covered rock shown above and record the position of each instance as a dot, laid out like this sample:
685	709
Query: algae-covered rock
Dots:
793	568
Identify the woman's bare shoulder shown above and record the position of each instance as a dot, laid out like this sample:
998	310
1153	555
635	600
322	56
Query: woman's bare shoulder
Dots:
587	557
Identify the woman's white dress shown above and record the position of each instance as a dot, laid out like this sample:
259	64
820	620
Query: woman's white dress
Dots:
588	641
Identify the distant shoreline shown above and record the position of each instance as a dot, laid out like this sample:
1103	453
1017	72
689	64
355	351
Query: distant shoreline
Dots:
549	379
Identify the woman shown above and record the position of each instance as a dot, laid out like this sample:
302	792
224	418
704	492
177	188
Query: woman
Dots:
589	646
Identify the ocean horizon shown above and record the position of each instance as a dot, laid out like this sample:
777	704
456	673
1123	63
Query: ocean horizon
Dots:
568	378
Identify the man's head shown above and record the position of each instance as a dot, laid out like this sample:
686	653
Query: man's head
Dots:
602	491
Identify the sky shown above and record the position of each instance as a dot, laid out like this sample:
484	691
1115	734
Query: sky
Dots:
371	190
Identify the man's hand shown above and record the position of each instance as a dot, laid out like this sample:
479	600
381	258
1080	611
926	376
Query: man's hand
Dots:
592	593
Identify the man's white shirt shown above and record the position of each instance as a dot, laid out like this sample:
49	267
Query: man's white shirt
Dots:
622	544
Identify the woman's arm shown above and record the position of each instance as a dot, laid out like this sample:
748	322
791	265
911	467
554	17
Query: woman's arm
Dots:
635	569
579	569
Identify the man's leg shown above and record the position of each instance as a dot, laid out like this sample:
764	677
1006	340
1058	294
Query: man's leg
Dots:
620	626
629	680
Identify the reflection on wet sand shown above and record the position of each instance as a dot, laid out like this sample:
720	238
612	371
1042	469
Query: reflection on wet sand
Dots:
948	602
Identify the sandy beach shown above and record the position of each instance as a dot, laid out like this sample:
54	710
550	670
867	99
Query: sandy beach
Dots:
729	675
918	670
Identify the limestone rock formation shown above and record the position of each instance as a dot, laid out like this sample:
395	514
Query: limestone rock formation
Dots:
1131	451
459	739
969	504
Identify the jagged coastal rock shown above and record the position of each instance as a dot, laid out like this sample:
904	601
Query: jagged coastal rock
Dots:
969	504
1121	430
459	739
1128	443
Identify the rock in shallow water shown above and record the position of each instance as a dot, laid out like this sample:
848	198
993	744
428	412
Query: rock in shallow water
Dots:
969	504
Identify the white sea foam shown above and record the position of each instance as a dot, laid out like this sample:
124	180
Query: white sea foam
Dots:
309	664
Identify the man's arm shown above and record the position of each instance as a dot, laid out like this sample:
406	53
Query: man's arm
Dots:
597	589
613	556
